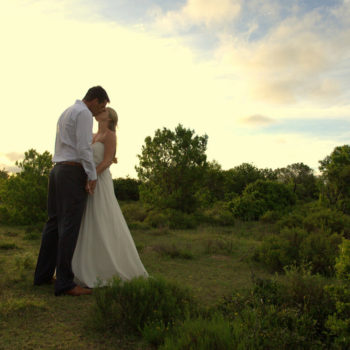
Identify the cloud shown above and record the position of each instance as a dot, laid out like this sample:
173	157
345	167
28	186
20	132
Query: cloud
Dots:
14	156
198	12
257	120
293	61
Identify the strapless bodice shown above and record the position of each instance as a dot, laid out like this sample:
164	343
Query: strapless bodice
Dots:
98	149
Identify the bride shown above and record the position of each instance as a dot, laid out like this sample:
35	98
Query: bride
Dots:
105	247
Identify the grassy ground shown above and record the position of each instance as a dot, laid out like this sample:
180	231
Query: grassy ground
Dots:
212	261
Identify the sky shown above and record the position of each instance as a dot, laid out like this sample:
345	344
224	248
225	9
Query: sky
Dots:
267	80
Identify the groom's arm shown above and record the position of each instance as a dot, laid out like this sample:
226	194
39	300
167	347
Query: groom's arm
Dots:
84	139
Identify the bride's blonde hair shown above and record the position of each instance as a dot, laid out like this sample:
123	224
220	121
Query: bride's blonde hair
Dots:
113	118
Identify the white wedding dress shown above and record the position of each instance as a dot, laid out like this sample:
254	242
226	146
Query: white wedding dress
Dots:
105	247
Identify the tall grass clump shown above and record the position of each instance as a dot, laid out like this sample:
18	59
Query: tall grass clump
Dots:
200	333
148	307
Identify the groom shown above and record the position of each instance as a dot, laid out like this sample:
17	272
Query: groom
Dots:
72	177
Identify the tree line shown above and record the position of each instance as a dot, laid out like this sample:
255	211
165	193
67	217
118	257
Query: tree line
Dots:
174	174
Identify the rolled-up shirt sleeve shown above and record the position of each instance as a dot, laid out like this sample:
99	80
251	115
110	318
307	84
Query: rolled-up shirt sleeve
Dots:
84	139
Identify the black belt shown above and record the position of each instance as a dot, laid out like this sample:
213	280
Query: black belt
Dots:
69	163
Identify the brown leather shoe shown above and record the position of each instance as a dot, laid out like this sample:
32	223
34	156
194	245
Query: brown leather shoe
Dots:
77	291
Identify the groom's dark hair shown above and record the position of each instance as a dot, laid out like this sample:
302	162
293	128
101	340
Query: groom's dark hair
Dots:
96	92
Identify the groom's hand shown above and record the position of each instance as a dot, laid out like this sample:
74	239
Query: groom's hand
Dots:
90	186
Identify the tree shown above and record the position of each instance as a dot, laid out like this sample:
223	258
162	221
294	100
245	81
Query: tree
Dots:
335	170
126	189
240	176
171	168
213	186
4	175
301	179
24	195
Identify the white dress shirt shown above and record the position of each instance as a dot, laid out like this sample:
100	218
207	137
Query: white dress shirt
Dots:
74	138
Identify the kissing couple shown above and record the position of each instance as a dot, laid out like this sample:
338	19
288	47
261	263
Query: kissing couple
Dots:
85	239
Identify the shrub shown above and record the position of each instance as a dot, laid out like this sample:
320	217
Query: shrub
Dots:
126	189
296	247
326	219
200	333
157	219
339	322
133	211
171	218
24	195
270	216
260	197
141	304
268	327
343	261
278	251
275	315
314	217
320	250
218	214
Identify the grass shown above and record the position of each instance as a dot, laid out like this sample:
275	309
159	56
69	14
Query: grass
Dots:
212	261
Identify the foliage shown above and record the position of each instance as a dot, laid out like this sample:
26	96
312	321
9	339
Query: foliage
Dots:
302	180
201	333
133	211
339	322
218	214
240	176
260	197
24	195
126	189
171	168
171	218
269	317
314	217
213	186
343	261
296	246
4	175
335	169
140	304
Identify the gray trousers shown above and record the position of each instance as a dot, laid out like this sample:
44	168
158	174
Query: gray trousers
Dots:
66	202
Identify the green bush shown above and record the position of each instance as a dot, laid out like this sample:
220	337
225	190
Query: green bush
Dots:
342	265
24	195
280	315
294	246
201	333
320	251
126	189
157	219
314	217
141	304
171	218
270	216
326	219
339	322
133	211
278	251
260	197
218	214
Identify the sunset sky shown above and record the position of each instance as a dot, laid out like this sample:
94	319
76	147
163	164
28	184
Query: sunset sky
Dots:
267	80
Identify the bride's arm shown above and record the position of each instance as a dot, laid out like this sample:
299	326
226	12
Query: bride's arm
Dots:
109	152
